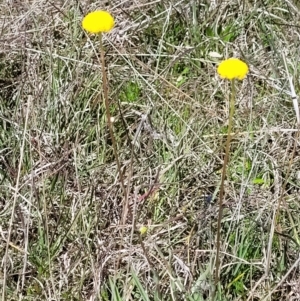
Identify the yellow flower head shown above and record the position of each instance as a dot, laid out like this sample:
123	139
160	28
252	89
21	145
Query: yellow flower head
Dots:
143	230
233	68
98	21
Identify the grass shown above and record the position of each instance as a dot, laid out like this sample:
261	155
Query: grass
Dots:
62	236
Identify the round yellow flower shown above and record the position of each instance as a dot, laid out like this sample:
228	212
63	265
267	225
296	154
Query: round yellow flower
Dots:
143	230
98	21
233	68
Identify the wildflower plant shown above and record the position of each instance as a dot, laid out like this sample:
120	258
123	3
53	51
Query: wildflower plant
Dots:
98	22
230	69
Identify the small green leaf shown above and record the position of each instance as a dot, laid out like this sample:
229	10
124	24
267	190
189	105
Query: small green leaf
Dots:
258	181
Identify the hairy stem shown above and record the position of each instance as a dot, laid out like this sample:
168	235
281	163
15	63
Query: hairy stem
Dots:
111	131
221	197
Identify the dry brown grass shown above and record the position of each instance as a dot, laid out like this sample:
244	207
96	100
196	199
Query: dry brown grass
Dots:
60	198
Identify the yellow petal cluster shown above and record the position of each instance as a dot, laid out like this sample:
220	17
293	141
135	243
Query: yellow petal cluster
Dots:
98	21
233	68
143	230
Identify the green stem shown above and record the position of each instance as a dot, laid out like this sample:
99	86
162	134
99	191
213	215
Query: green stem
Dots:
226	159
110	127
